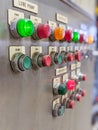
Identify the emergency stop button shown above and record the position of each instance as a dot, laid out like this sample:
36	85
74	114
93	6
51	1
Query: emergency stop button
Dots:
42	31
70	84
22	28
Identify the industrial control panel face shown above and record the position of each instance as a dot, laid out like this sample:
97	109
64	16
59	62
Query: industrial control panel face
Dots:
45	80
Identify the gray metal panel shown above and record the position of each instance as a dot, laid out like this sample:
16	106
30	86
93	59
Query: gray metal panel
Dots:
26	98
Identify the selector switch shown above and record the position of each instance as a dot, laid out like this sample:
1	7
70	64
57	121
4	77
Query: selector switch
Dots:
76	97
40	60
20	62
57	58
81	92
57	34
42	31
22	28
60	89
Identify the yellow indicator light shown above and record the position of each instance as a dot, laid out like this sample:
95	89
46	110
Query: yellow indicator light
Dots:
59	33
90	39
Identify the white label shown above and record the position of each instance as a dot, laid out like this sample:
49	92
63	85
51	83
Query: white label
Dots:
62	26
14	50
52	49
13	15
61	70
76	48
78	71
65	77
52	24
62	49
56	81
72	74
73	66
67	49
23	4
56	101
35	49
61	18
78	64
35	20
70	48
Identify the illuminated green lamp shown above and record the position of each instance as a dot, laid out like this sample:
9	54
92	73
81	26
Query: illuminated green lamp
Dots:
25	27
75	37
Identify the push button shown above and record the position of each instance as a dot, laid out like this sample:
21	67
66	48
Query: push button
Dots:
70	57
20	62
57	58
22	28
81	92
57	34
78	55
82	77
70	104
75	37
42	31
76	96
68	36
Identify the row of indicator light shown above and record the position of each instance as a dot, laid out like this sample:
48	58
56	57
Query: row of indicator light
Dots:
25	27
21	62
70	93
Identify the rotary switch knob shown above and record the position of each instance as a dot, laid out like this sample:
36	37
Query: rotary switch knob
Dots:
78	55
20	62
58	110
40	60
70	57
70	84
57	34
81	92
57	58
42	31
68	36
22	28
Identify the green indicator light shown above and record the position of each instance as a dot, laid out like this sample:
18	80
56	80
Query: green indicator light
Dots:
27	62
62	89
25	27
60	58
75	37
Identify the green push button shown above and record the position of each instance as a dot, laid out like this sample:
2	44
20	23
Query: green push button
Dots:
60	58
62	89
27	62
25	27
75	37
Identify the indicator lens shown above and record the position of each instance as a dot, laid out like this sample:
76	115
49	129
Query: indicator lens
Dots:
62	89
70	85
75	37
90	39
81	39
68	35
27	62
60	58
59	33
25	27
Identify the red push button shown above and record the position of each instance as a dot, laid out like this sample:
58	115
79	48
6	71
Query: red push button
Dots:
43	31
71	85
68	36
70	104
70	57
81	39
46	60
83	93
78	97
78	56
84	77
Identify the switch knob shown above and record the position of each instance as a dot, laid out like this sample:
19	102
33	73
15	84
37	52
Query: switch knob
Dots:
20	62
42	31
82	77
70	84
68	36
22	28
75	37
78	55
70	57
82	92
57	58
81	39
57	34
77	97
70	104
